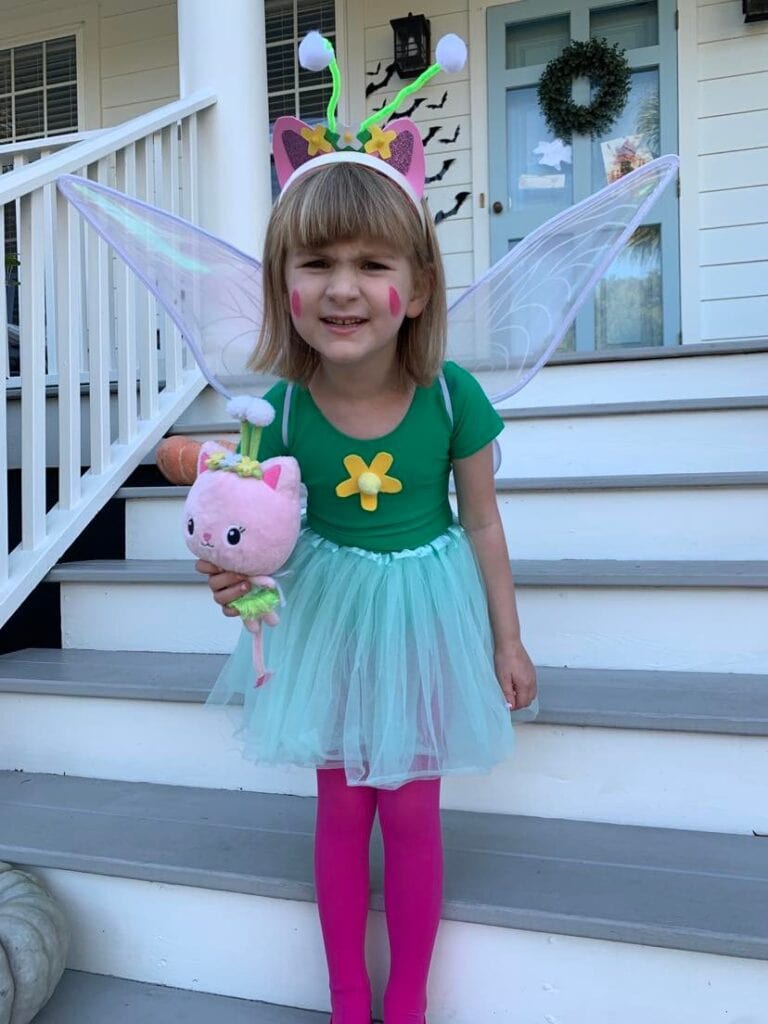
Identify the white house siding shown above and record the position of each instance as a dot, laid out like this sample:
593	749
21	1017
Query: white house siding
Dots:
733	172
127	51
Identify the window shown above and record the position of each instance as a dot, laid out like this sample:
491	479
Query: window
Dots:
38	90
291	89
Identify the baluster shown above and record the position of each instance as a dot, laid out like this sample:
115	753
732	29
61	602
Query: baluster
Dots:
146	316
70	335
125	309
100	325
166	179
51	322
32	351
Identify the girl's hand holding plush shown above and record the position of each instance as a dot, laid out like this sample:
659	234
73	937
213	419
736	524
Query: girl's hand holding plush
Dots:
225	586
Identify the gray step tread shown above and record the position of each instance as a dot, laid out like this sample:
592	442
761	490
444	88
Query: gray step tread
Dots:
691	890
684	701
82	998
568	572
647	481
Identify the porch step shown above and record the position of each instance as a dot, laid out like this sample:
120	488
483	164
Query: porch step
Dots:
660	737
651	516
83	998
678	615
151	868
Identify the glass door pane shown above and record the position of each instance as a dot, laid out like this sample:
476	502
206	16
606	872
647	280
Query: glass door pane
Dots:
538	165
628	307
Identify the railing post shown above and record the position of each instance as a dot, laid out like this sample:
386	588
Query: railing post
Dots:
3	420
70	332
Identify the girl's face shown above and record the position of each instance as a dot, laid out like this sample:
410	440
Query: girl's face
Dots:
348	299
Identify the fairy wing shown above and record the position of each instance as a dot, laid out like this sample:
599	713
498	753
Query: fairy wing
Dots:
513	318
211	290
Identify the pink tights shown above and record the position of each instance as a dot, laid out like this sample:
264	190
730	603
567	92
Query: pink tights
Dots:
413	882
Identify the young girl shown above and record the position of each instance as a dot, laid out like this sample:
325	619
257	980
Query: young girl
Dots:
398	655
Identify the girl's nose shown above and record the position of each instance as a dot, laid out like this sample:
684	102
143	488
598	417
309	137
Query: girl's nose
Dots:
207	537
342	283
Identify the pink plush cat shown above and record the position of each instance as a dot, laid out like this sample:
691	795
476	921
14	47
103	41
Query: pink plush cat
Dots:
244	516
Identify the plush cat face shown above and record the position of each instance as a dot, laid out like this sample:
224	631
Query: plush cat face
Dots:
242	524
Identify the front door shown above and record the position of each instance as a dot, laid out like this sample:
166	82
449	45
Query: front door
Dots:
533	175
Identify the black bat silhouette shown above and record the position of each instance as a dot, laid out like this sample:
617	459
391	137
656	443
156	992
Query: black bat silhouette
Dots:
441	173
441	104
447	142
431	134
407	113
372	73
461	198
375	86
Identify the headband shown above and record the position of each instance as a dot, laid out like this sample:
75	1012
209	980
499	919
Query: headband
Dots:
396	150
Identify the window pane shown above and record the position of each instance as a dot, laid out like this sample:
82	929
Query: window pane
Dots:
5	71
28	67
282	105
62	108
631	26
628	307
281	67
29	114
60	58
278	19
6	119
536	42
316	14
633	139
313	103
539	165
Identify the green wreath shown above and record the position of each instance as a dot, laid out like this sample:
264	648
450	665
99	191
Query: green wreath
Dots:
605	66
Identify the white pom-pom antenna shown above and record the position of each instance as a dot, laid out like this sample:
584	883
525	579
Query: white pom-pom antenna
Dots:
315	52
451	53
250	409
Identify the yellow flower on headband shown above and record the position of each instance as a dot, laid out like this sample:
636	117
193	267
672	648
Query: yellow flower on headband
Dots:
317	140
379	142
368	481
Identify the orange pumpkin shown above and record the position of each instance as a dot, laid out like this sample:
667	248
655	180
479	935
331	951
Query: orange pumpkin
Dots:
176	458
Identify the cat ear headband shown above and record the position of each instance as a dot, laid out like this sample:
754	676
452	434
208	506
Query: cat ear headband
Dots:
396	150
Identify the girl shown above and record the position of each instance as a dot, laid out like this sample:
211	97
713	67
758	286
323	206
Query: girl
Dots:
398	654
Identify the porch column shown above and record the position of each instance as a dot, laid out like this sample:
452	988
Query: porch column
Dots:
222	48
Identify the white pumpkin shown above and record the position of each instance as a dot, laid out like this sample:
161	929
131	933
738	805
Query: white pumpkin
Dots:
34	937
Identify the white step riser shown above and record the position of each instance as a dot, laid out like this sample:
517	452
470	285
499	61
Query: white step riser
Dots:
687	442
637	381
704	630
618	775
254	945
672	523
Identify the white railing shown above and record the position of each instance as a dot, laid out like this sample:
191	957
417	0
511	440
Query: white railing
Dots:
101	372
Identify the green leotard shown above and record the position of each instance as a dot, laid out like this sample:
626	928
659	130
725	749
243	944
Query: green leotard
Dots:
406	504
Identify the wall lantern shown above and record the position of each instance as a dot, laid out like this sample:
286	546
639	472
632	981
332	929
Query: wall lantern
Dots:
755	10
412	45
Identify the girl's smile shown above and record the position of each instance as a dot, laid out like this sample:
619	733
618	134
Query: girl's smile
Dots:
349	299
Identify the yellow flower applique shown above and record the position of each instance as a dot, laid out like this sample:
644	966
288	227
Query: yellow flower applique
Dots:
368	481
317	140
379	142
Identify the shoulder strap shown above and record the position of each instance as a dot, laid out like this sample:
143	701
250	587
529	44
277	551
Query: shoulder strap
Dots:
287	411
446	397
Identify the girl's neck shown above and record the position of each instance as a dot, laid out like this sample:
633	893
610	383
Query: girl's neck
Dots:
356	382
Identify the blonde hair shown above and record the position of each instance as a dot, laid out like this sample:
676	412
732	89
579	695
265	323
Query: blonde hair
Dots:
338	203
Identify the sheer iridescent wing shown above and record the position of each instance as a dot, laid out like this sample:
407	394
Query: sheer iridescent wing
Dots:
211	290
509	322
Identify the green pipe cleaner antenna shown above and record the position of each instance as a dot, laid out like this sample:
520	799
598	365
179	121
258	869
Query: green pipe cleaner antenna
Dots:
333	67
414	86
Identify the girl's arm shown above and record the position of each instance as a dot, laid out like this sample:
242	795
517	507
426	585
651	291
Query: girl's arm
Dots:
479	515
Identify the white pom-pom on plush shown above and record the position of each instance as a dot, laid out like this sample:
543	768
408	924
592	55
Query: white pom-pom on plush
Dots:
255	410
314	55
451	53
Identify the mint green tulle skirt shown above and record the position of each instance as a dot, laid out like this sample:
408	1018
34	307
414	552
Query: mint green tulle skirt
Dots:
382	664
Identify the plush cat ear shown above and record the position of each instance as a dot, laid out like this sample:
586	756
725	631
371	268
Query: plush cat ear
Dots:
282	475
207	449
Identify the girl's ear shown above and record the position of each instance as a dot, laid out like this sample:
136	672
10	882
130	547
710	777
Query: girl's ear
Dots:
422	289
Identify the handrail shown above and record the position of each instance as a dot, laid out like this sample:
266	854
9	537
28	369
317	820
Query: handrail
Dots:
48	142
15	184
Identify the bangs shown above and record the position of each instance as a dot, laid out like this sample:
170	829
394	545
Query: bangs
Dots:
344	202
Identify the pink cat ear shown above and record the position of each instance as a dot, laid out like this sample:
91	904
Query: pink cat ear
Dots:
407	153
290	148
207	449
271	476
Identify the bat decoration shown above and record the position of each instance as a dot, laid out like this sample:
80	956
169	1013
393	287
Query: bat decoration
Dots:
414	106
461	198
371	74
447	142
441	104
373	87
441	173
431	134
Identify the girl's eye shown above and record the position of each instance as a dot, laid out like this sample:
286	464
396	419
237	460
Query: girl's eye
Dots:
373	265
316	264
234	533
190	526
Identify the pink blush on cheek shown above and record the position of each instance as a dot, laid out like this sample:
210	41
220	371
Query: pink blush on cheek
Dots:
296	303
394	301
